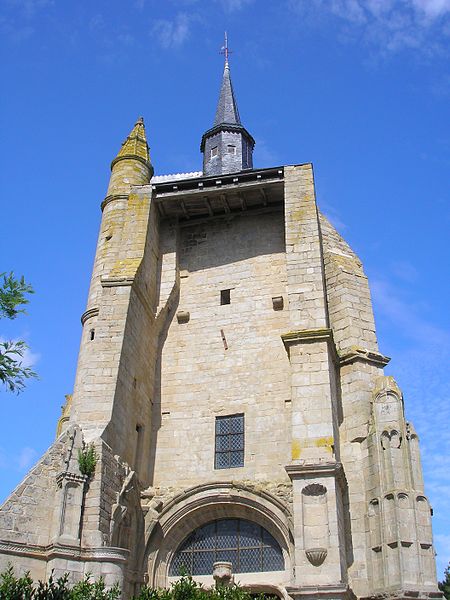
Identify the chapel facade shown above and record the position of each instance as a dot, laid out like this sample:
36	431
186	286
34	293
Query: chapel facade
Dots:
230	382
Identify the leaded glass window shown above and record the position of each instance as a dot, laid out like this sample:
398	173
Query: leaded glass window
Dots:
248	546
229	450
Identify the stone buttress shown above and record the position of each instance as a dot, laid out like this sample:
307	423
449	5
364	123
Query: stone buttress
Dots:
365	531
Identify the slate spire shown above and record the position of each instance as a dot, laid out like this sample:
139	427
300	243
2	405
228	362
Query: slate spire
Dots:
227	110
227	147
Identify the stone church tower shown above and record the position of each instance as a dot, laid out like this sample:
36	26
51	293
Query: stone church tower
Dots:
230	381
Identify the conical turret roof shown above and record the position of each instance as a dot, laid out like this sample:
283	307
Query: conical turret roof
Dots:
136	144
227	110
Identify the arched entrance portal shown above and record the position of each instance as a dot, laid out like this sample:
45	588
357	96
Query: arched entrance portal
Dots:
226	522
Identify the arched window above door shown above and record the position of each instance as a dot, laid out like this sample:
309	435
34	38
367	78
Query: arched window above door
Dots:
248	546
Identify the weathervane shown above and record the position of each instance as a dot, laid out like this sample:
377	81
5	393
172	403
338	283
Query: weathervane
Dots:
225	51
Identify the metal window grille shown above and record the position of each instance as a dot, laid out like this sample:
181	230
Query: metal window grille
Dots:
248	546
229	451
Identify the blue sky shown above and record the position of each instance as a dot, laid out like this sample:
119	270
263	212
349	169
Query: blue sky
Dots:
359	87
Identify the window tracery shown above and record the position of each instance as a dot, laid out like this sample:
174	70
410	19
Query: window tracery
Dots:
247	545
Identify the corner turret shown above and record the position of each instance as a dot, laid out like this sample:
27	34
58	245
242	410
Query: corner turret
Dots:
227	147
132	164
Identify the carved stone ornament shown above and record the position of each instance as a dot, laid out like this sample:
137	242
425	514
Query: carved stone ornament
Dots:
314	489
222	573
316	556
183	316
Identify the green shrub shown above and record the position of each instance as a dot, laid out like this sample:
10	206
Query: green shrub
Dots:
23	588
186	588
87	459
15	588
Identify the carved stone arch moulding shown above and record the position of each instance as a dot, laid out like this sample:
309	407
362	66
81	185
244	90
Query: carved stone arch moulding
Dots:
202	504
395	439
388	396
422	503
391	439
374	507
411	433
386	389
385	437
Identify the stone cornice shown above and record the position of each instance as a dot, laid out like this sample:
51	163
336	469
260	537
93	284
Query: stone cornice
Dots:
318	469
72	477
108	282
338	590
104	554
133	157
236	127
88	314
116	281
307	335
361	354
112	197
349	356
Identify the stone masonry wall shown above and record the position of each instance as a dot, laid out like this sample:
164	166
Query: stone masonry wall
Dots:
130	428
26	516
201	379
348	295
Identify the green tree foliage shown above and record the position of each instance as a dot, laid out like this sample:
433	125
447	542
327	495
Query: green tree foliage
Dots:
444	585
12	297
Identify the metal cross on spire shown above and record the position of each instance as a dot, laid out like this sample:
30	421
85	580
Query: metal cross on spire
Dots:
225	50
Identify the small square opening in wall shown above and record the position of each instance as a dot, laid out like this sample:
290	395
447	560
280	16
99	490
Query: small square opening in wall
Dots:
225	296
231	149
214	151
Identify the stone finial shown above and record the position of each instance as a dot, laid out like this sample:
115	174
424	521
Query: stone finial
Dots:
222	573
65	415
